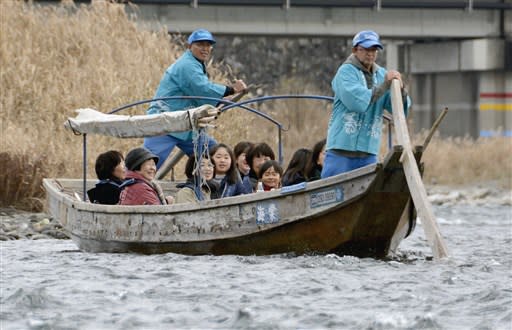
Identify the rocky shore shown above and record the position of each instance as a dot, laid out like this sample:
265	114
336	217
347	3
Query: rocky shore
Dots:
471	196
16	224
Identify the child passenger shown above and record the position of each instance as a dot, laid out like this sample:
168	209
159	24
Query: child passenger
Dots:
141	164
110	170
187	192
316	161
227	179
240	151
256	156
296	173
270	175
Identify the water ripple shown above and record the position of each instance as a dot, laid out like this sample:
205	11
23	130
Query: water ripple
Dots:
48	284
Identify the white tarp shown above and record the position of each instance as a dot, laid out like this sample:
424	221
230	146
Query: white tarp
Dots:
90	121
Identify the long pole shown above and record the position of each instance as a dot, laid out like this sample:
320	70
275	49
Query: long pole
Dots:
413	177
84	197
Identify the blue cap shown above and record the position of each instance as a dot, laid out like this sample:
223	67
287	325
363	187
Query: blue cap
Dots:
201	35
367	39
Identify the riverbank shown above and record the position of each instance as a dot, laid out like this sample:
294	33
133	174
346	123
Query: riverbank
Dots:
17	224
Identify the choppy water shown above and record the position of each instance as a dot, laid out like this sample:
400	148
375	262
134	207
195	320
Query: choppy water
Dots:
48	284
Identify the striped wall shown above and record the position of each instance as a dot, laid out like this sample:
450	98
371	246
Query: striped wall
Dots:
495	113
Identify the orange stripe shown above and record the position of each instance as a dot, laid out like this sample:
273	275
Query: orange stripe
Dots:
496	106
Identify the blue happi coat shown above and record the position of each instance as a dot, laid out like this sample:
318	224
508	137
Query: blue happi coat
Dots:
356	119
185	77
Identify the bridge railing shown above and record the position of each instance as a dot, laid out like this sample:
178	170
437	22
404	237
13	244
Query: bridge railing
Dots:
468	5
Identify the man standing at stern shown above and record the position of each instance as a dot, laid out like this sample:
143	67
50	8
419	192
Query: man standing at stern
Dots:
187	77
361	93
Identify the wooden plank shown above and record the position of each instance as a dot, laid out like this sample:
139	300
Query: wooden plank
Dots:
413	177
171	161
169	164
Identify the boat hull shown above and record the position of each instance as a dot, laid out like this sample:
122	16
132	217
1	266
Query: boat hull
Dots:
365	213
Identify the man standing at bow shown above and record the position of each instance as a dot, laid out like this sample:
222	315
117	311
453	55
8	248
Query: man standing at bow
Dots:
361	93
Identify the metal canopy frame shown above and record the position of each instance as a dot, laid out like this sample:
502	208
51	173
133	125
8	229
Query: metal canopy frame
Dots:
228	106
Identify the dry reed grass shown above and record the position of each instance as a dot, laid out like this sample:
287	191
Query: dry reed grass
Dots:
22	187
55	59
463	161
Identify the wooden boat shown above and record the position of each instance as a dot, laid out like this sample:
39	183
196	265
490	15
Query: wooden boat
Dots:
366	213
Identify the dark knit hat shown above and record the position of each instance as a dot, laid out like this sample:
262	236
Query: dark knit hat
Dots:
137	156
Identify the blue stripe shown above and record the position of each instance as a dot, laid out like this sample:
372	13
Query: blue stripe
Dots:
292	188
488	133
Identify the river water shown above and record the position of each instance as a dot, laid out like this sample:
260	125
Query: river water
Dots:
49	284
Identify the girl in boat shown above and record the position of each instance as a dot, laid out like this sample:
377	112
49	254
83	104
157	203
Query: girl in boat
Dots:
227	179
256	156
316	161
270	174
240	150
296	170
187	193
141	164
111	172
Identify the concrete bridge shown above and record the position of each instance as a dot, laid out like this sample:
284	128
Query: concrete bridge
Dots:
402	19
458	54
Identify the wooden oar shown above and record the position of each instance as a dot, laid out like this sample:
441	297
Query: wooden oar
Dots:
434	128
168	164
413	177
237	97
171	161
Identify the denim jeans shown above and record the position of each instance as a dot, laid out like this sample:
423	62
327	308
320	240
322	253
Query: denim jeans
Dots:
336	164
163	145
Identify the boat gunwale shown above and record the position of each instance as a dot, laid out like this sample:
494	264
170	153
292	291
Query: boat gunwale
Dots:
52	189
